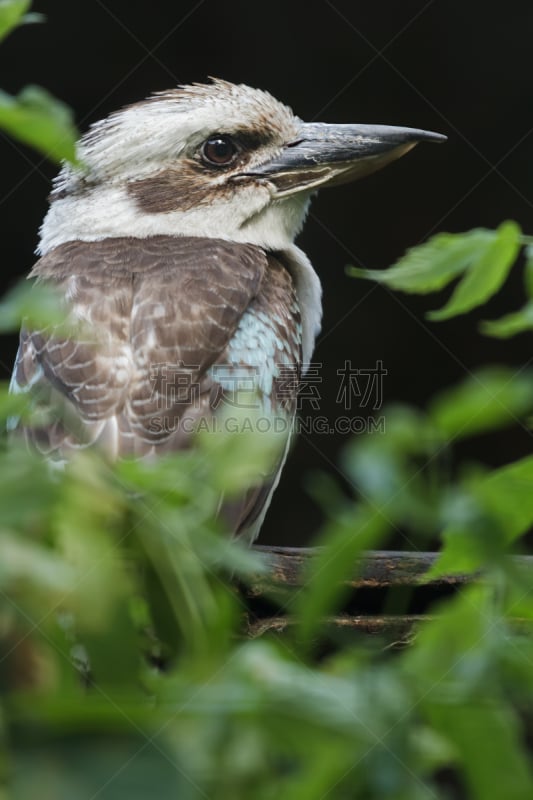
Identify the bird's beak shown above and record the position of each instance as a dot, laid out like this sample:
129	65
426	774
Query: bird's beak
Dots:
332	154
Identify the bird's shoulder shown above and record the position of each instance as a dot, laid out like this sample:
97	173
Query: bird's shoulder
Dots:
160	255
157	307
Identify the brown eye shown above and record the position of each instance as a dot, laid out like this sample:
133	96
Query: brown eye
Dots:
218	150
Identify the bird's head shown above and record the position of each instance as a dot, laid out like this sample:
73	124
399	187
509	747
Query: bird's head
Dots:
216	160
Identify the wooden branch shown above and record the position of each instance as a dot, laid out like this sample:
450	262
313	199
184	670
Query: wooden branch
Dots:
373	576
393	627
377	569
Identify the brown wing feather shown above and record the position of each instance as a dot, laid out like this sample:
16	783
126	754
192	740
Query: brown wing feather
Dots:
143	302
155	318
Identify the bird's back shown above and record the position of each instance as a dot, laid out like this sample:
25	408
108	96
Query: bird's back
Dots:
167	331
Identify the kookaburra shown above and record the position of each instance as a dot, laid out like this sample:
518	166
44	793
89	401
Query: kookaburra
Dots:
172	244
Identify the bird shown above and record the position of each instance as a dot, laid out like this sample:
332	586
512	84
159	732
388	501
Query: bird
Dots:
171	242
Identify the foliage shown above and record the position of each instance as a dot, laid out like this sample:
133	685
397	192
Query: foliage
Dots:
34	117
125	671
483	257
13	13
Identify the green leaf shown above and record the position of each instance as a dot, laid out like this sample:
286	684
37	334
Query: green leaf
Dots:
487	740
471	541
489	399
507	494
100	766
37	119
451	655
243	447
36	304
510	324
11	15
519	321
432	265
31	19
327	574
21	560
486	274
485	518
528	272
27	490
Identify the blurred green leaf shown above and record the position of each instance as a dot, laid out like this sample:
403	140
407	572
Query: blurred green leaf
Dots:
488	399
485	518
12	14
388	471
325	579
380	465
28	491
37	119
518	321
432	265
487	737
484	256
486	273
244	447
23	562
37	304
452	657
13	406
507	496
528	271
510	324
469	543
108	767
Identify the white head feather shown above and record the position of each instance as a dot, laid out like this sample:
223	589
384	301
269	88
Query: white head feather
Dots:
145	138
93	202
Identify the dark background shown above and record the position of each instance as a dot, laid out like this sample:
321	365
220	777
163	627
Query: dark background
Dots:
464	69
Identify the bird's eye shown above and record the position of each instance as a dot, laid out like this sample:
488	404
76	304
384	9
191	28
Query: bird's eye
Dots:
218	150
